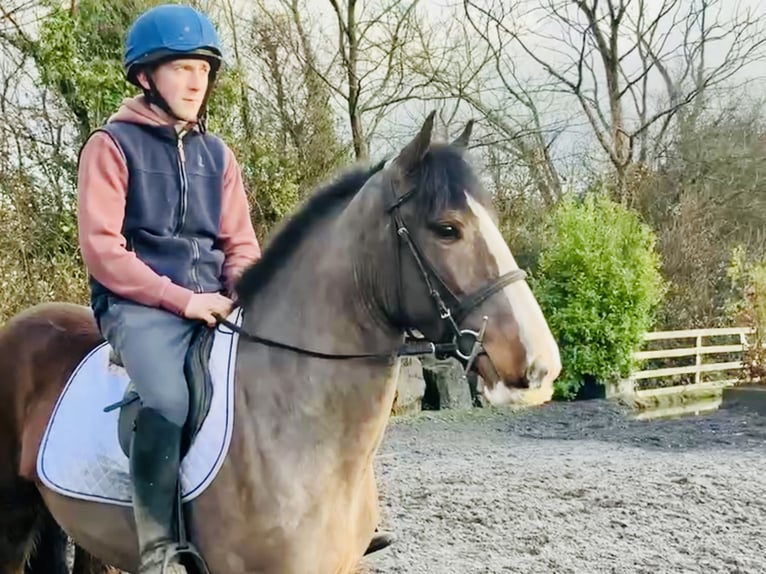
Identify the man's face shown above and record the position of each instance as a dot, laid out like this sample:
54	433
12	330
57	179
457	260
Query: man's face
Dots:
183	84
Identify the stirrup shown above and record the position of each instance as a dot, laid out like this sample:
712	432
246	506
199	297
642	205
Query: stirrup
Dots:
199	563
175	551
184	545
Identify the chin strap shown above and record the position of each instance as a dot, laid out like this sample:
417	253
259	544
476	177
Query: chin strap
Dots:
153	96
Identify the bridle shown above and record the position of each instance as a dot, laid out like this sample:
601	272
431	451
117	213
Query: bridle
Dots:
466	344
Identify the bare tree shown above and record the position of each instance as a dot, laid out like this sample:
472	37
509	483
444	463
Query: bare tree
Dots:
303	99
368	65
609	54
271	108
490	82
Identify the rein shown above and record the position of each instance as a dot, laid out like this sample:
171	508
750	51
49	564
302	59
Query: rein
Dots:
407	349
466	344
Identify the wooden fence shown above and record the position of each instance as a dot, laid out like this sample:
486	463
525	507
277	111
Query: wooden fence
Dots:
691	359
699	350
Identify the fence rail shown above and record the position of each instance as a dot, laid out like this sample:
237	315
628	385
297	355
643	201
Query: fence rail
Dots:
729	355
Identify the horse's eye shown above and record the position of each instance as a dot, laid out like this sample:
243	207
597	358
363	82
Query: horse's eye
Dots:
446	231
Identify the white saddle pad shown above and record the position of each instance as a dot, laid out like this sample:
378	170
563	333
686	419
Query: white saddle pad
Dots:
80	455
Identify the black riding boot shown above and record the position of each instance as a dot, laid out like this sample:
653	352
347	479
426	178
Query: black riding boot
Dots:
154	466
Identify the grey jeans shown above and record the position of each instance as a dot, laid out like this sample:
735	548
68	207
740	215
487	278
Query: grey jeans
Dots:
152	344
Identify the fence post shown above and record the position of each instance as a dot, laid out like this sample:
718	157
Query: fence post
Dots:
698	361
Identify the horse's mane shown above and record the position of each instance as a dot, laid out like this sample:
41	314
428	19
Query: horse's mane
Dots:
442	178
325	200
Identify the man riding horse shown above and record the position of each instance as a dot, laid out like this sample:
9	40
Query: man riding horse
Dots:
165	231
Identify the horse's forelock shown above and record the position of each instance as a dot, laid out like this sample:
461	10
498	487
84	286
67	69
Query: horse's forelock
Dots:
443	178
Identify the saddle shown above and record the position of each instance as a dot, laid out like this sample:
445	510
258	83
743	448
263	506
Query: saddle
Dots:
200	392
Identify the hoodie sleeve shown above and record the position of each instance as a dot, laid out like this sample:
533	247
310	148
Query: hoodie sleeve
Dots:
236	235
101	190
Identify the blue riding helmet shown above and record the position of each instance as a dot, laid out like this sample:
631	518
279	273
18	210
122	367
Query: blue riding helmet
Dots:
168	31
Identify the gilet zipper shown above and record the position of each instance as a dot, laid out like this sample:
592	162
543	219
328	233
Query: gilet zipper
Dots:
183	209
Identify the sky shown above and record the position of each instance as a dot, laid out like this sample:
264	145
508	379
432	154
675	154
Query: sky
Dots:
543	36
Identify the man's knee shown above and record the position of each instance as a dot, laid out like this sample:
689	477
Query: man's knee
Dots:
174	406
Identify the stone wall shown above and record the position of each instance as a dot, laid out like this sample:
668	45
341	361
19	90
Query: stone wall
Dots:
435	385
411	386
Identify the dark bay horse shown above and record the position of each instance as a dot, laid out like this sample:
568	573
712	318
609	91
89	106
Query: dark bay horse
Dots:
411	246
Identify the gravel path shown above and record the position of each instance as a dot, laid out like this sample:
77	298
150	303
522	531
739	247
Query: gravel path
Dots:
573	488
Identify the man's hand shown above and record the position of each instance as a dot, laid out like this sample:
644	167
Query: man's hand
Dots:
205	306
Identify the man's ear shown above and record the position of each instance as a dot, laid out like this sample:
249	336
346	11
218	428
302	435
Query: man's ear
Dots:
143	80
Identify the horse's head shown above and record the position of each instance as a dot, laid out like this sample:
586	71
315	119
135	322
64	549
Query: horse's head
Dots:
457	279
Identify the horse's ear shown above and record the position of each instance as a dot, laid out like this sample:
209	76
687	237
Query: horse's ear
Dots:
412	154
463	139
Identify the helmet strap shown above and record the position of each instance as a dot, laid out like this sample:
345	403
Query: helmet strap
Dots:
153	96
202	114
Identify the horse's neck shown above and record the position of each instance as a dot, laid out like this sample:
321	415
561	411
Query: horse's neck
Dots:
327	296
321	301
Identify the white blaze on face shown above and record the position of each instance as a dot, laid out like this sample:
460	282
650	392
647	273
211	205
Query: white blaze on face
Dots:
539	344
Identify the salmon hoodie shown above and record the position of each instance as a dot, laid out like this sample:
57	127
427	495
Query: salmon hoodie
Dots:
102	191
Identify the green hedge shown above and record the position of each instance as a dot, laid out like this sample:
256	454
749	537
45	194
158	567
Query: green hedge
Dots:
598	282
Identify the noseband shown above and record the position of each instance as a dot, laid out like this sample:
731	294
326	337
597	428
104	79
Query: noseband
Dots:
465	345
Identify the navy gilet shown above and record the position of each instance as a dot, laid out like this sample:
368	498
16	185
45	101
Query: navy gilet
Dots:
173	204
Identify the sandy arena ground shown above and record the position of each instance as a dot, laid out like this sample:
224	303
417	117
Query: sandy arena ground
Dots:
573	488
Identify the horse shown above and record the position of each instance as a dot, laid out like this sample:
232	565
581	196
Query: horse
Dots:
403	257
